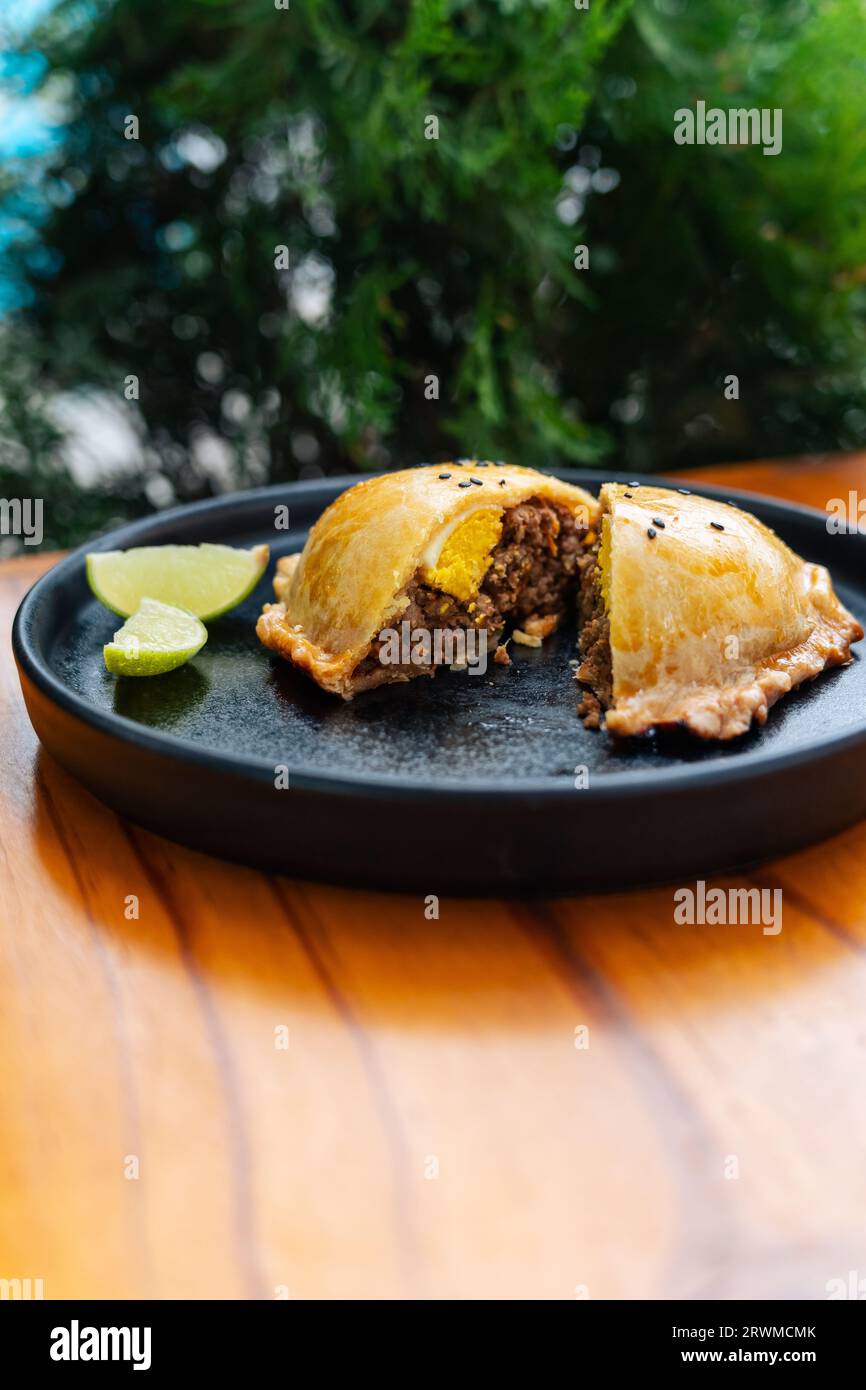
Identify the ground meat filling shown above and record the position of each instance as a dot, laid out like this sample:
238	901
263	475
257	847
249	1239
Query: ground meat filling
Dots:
535	564
596	669
534	571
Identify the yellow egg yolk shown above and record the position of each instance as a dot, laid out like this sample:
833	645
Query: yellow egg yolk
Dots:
465	557
604	551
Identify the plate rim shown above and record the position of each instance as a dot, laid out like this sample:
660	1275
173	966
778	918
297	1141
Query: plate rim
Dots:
618	785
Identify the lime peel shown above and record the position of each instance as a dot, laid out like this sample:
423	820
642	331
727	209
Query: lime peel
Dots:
157	638
206	580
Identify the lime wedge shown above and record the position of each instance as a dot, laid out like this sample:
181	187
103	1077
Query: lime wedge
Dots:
157	638
206	580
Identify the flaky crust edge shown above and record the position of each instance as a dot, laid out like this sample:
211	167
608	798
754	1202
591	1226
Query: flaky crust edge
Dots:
725	712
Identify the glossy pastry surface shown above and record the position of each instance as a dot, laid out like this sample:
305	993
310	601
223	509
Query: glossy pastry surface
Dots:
711	617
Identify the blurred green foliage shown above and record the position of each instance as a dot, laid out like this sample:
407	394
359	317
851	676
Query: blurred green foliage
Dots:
412	257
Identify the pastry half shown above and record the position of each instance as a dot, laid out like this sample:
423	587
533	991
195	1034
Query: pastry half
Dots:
443	551
696	614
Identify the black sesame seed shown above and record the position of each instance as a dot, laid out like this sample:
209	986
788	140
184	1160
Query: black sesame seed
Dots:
502	482
651	532
684	491
628	494
717	526
465	483
634	484
444	475
657	521
477	482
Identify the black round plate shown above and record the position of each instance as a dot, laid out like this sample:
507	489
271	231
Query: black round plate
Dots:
465	783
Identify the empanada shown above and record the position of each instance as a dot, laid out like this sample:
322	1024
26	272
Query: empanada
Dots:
696	614
427	554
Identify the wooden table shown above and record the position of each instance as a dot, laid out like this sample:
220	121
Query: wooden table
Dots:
431	1129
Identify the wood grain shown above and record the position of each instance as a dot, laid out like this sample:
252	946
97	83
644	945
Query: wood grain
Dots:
416	1048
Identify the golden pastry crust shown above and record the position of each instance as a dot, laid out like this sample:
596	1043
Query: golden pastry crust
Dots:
711	620
350	579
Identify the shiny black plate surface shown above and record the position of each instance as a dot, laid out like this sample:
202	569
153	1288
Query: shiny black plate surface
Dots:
462	783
